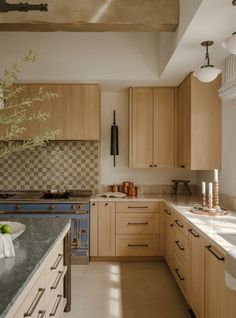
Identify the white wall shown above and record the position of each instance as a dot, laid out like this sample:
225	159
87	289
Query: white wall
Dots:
227	175
119	101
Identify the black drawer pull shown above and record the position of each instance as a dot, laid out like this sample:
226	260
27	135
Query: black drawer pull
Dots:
171	225
58	260
220	258
137	207
193	234
57	281
177	272
35	303
59	298
179	246
136	223
137	245
179	224
167	212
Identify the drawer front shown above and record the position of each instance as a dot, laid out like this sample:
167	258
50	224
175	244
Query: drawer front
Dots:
136	245
181	224
138	206
181	275
137	223
35	301
181	247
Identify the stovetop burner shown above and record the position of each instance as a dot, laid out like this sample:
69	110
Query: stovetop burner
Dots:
51	195
6	195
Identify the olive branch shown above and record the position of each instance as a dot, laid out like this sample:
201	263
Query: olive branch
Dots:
14	115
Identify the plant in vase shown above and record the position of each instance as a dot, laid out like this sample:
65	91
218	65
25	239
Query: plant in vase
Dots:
13	115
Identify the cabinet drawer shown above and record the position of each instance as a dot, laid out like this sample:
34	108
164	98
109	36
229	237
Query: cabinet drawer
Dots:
181	224
138	206
137	223
181	275
137	245
55	284
35	301
181	247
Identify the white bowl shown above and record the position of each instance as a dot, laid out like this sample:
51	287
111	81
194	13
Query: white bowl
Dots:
17	228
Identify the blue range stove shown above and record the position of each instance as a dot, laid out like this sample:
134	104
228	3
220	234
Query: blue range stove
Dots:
72	204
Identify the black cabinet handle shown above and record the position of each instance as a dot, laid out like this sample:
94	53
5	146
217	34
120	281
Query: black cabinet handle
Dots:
155	166
93	204
137	207
137	245
177	272
182	166
137	223
193	234
106	204
220	258
179	246
150	166
167	212
179	224
171	225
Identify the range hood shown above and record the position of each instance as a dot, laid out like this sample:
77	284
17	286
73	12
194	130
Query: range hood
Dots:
228	89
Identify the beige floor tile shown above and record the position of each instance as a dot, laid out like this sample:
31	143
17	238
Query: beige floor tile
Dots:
125	290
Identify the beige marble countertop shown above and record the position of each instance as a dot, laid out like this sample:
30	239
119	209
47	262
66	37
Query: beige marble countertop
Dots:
220	230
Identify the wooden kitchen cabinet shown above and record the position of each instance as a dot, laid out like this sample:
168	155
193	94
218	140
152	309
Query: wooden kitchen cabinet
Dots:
169	247
151	127
198	125
106	229
196	272
220	301
75	112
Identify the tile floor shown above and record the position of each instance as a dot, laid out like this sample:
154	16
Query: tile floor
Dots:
125	290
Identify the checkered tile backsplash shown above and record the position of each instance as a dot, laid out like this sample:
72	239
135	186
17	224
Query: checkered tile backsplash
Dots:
57	165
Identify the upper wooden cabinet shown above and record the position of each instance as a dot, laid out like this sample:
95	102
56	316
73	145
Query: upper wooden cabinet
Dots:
151	127
198	124
76	111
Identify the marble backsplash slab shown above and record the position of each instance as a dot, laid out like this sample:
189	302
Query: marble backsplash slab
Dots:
56	165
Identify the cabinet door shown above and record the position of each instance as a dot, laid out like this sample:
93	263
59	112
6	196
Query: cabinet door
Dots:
106	229
164	127
220	301
94	229
141	127
169	243
196	272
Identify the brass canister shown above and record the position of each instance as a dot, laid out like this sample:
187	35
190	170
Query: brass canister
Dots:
115	188
132	191
125	186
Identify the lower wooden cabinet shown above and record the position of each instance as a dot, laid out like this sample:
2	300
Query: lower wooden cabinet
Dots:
220	301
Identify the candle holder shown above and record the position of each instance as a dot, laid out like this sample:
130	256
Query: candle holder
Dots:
203	200
216	199
210	202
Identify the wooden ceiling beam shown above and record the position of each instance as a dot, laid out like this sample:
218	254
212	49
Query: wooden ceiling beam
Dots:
95	16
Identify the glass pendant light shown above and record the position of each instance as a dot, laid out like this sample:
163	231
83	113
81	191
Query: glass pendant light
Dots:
207	73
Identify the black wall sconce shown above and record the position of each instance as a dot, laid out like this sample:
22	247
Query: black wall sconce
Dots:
114	139
23	7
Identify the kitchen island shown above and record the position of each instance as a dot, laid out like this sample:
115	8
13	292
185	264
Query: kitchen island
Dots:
39	272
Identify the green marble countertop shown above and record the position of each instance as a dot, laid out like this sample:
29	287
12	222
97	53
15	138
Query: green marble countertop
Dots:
31	249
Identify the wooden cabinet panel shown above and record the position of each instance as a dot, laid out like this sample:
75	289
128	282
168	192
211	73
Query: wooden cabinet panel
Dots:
164	113
137	223
196	272
94	229
76	111
141	127
181	276
106	229
169	242
220	301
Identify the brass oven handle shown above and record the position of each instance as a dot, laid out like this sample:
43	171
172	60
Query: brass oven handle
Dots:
57	262
179	224
179	246
220	258
41	314
52	206
177	272
81	212
137	207
136	223
137	245
193	234
18	206
59	298
57	281
35	302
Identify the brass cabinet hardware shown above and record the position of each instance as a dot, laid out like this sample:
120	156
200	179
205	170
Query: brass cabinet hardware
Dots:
150	166
177	272
106	204
171	225
57	262
73	206
93	204
193	234
137	223
53	314
137	245
167	212
155	166
35	302
57	281
137	207
41	314
179	224
220	258
179	246
18	206
52	206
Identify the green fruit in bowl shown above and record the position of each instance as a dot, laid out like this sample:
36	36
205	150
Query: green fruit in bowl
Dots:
6	229
1	226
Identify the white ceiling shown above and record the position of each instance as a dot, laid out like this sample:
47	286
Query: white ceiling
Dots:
120	60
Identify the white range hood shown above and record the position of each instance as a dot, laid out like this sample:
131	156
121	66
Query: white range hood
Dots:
228	89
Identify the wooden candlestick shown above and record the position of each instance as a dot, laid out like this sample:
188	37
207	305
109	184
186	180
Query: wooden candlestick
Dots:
216	199
203	199
210	201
